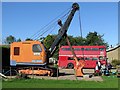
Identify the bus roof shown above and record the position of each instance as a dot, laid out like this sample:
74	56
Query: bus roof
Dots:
84	46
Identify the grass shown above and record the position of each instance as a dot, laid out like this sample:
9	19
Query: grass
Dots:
109	82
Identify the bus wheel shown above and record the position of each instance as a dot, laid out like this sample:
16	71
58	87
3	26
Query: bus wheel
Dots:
70	65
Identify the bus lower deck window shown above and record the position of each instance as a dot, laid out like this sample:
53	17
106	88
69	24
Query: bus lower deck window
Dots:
70	58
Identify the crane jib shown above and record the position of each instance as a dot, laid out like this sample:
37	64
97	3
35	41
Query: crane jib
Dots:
62	31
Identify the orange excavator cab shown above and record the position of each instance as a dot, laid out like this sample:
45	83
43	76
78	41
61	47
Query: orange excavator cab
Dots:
27	53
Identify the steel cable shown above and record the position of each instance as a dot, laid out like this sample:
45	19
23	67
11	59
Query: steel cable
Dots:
46	26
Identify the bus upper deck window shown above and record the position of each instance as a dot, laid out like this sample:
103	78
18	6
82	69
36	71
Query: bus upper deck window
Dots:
77	49
87	49
63	49
36	48
66	49
82	49
95	49
102	49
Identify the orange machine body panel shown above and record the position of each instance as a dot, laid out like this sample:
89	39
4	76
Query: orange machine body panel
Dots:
27	53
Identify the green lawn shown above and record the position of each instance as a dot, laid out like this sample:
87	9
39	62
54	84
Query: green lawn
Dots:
109	82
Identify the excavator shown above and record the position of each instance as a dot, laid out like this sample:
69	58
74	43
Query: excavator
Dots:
33	53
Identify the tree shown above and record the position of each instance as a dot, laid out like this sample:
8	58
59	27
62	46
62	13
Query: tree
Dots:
28	39
79	41
93	38
10	39
19	40
49	40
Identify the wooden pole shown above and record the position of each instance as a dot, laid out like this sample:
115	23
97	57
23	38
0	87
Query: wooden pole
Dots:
10	73
32	72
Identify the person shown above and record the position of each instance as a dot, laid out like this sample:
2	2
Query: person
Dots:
109	66
103	68
97	69
106	72
99	65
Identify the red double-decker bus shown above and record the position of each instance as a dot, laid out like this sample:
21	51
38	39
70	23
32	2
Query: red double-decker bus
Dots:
90	54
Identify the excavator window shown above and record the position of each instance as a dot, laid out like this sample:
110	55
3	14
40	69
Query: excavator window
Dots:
16	50
36	48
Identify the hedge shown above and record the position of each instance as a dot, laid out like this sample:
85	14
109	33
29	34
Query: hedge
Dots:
5	55
115	62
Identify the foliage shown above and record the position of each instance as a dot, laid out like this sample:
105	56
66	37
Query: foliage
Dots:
115	62
49	40
28	39
78	41
5	55
5	46
10	39
93	38
19	40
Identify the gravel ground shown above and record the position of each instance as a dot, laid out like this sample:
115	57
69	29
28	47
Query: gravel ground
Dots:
66	74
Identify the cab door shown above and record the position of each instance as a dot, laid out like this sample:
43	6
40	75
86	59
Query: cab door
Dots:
26	54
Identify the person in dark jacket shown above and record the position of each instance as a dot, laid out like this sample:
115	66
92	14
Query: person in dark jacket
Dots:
109	66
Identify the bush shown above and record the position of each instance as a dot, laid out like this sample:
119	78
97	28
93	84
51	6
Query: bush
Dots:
115	62
5	55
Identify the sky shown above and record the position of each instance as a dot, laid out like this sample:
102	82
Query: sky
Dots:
24	19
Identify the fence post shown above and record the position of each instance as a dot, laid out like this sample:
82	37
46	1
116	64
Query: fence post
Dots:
57	72
32	72
10	73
